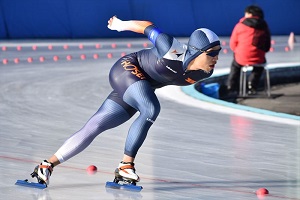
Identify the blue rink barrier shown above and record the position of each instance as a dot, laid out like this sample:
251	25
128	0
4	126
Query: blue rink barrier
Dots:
88	19
191	91
285	71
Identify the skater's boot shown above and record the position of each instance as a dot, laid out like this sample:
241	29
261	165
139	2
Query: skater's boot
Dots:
43	172
126	172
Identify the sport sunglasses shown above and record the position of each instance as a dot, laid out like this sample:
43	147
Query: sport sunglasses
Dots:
211	53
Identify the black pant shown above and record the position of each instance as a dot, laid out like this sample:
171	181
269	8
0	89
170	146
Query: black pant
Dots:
234	76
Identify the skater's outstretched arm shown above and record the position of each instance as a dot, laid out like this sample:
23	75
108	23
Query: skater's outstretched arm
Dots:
136	26
162	41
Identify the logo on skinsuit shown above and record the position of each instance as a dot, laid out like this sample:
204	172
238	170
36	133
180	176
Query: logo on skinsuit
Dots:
150	120
189	80
177	54
134	69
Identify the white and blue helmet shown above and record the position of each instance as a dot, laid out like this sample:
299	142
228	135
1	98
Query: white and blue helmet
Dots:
200	40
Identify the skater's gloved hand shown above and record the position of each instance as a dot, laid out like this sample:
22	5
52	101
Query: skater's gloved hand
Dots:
115	23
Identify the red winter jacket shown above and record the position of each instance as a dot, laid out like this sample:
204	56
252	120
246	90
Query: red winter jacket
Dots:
250	40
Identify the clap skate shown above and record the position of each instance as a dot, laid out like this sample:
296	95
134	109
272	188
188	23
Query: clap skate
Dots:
42	173
125	178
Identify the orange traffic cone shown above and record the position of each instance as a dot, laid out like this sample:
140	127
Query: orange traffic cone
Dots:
291	40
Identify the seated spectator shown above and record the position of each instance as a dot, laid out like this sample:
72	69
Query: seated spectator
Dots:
250	40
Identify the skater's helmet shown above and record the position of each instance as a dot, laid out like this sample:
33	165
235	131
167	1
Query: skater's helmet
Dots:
200	40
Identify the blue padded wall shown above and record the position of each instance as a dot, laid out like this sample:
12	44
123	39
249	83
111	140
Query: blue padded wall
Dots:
88	18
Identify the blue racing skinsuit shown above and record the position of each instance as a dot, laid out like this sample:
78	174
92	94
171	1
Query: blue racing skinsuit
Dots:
134	78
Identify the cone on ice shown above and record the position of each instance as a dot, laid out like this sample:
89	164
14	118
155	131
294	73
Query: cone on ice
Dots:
291	40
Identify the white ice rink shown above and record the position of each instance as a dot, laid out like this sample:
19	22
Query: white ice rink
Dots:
190	152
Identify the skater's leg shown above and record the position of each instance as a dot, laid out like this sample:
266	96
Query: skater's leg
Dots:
54	160
141	96
118	112
109	115
113	112
128	158
128	79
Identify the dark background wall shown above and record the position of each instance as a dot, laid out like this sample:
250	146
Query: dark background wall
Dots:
88	18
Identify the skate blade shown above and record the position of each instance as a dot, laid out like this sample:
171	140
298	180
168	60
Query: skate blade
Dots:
130	187
26	183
